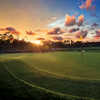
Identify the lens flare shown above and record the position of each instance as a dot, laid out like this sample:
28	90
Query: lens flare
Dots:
37	42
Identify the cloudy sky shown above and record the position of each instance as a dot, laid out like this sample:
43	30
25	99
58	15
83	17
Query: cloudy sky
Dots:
32	14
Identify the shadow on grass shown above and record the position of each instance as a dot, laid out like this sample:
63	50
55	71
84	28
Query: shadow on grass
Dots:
81	88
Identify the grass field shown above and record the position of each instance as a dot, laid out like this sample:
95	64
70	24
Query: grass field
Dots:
54	76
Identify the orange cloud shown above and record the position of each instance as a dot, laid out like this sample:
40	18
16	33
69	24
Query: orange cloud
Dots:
70	20
80	20
81	34
98	33
87	4
30	33
2	29
55	31
57	38
11	30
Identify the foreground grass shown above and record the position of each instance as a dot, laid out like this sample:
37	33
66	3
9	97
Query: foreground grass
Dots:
15	88
51	71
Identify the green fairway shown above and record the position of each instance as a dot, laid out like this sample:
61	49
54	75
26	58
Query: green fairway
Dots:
68	64
69	73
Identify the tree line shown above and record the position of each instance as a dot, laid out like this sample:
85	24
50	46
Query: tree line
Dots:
9	44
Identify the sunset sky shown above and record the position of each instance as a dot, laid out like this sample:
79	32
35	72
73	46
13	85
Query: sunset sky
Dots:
31	14
44	15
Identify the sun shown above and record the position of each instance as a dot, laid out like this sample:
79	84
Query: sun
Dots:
37	42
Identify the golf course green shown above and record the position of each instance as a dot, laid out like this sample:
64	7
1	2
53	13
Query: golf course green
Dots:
57	75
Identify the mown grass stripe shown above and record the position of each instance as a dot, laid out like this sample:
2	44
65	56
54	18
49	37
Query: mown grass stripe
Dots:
57	95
